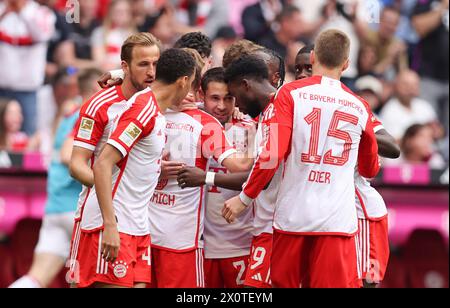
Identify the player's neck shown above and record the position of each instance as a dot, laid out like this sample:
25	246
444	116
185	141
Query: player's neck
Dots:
329	73
128	90
165	95
264	93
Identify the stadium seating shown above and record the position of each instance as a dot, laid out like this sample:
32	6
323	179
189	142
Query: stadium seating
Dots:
426	260
6	266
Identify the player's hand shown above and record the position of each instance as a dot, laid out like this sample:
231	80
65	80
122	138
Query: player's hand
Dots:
105	81
233	209
170	169
110	243
188	103
191	177
238	115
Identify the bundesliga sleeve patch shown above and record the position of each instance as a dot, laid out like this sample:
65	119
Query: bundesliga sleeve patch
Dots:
86	129
131	134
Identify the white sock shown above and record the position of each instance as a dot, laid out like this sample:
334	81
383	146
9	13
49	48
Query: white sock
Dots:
26	282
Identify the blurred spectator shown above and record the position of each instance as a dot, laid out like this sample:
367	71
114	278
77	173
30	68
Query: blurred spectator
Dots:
225	37
52	105
367	60
204	15
25	29
237	7
431	21
390	52
11	118
162	26
406	109
81	34
288	32
60	48
418	147
370	89
108	39
257	19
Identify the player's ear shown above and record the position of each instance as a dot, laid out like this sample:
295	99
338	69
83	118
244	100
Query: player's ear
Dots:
312	57
125	68
183	82
276	78
246	84
346	65
202	94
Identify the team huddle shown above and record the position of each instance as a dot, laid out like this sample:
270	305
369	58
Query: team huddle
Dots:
227	177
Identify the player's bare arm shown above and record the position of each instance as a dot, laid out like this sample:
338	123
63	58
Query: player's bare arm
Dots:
102	177
387	147
80	168
66	151
195	177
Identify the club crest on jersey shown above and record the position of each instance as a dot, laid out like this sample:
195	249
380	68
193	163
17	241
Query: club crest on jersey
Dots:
120	269
130	135
86	128
162	184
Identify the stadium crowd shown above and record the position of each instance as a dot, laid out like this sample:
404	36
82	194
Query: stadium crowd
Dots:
399	56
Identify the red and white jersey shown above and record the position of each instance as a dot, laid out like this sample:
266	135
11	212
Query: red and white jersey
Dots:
223	240
369	203
321	130
264	204
94	125
139	136
177	215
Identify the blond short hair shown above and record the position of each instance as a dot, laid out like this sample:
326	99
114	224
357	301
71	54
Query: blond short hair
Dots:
143	39
332	48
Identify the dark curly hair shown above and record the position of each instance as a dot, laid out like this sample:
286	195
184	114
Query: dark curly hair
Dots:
247	67
197	41
173	64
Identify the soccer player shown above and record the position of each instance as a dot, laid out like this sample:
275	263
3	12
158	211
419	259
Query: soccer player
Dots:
176	214
227	247
322	131
273	60
115	239
303	66
53	247
248	80
193	40
140	54
373	241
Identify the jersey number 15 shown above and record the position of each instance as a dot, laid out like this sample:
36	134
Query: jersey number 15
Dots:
313	120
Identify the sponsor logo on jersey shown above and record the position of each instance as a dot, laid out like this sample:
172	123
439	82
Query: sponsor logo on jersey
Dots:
120	269
131	134
86	128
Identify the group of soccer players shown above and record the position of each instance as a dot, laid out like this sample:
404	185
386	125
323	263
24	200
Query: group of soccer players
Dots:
227	177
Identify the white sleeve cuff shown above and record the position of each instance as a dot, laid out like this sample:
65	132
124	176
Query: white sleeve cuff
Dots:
225	155
245	199
376	129
118	146
84	145
117	74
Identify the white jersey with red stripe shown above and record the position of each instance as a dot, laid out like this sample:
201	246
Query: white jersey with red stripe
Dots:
321	130
369	203
140	138
223	240
264	204
93	127
177	215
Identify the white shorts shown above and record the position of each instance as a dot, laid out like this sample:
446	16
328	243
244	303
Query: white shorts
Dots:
56	234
